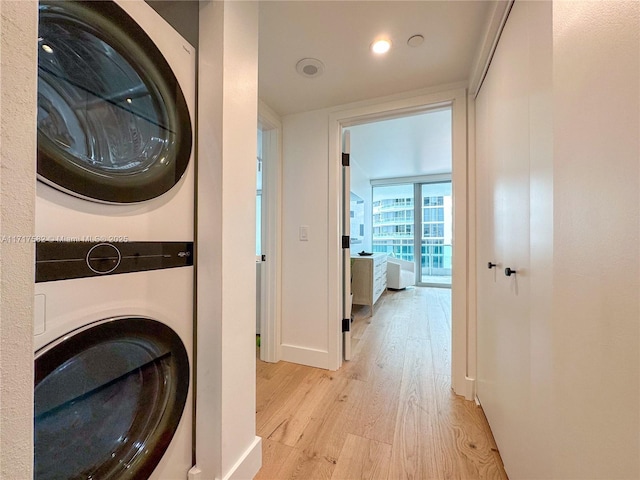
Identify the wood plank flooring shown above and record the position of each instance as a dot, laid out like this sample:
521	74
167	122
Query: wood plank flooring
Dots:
388	414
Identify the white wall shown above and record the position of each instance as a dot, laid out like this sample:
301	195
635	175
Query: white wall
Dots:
18	74
226	445
596	315
304	263
541	231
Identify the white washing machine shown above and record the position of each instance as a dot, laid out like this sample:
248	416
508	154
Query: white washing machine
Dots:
116	99
113	360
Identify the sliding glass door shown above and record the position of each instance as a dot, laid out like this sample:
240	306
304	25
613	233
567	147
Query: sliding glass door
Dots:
436	230
416	217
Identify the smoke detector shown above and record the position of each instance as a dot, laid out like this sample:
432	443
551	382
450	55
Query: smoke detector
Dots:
310	67
415	41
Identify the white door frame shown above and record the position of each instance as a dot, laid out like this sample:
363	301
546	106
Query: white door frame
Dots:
271	271
463	320
345	200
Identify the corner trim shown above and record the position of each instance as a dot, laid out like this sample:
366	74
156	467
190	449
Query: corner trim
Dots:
489	45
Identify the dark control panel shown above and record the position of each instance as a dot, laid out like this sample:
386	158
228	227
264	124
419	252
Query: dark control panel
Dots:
67	260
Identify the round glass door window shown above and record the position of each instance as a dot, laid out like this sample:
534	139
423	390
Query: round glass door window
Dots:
113	123
108	400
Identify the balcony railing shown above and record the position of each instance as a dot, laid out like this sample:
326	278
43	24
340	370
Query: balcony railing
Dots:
392	235
435	259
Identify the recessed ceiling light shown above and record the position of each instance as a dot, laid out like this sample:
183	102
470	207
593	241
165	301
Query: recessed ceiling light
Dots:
381	46
310	67
47	48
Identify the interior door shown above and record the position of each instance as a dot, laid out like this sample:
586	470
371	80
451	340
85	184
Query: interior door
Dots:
346	250
502	107
267	228
260	257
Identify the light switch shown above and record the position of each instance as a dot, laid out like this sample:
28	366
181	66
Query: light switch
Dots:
304	233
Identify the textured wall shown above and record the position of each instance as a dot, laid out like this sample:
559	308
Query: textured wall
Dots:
596	311
18	54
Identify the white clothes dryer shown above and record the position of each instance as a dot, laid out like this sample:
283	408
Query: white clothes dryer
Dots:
116	100
113	360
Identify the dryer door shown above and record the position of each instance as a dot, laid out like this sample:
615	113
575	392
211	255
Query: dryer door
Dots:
108	399
113	123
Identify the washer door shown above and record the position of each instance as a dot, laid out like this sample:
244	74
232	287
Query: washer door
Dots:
113	123
108	399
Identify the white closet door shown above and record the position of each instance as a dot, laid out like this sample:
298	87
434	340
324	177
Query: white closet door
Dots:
503	235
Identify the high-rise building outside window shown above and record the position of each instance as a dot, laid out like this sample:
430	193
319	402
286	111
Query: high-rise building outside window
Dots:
395	223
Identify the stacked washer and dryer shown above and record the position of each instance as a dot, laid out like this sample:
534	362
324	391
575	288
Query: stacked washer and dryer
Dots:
113	326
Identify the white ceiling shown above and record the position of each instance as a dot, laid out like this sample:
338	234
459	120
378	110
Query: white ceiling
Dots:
404	147
339	34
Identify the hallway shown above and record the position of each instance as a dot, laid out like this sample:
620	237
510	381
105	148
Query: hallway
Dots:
387	414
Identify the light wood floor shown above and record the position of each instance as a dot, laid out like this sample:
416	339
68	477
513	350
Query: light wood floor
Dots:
387	414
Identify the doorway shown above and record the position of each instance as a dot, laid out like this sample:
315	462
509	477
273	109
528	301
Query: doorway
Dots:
268	237
393	164
462	371
260	257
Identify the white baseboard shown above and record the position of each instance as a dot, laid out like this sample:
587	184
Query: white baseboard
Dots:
305	356
248	464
